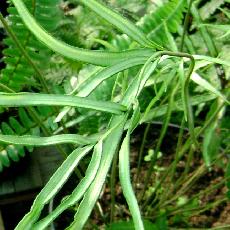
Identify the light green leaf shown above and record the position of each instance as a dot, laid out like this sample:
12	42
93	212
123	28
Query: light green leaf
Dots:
91	83
210	144
212	60
109	148
101	58
224	28
135	119
52	187
124	175
28	99
139	81
87	86
153	101
172	43
206	85
211	140
29	140
78	192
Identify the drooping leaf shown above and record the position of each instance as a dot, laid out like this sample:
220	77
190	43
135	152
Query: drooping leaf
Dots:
78	192
52	187
124	175
101	58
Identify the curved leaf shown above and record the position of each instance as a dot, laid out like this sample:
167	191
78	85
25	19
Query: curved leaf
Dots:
102	58
52	187
78	192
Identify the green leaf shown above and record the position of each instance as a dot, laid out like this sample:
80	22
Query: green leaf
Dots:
120	22
12	152
44	141
124	175
206	85
139	81
52	187
211	141
4	159
16	125
78	192
101	58
6	129
24	118
87	86
172	43
135	117
211	144
212	60
161	221
224	28
28	99
109	148
91	83
154	100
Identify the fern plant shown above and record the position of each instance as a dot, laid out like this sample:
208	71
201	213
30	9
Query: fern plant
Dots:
134	68
18	74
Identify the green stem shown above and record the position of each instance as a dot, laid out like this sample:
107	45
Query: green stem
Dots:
202	209
186	90
178	147
170	171
188	162
162	135
187	103
140	155
187	184
113	186
185	27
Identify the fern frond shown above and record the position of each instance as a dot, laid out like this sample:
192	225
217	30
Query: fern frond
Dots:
23	124
170	13
17	73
